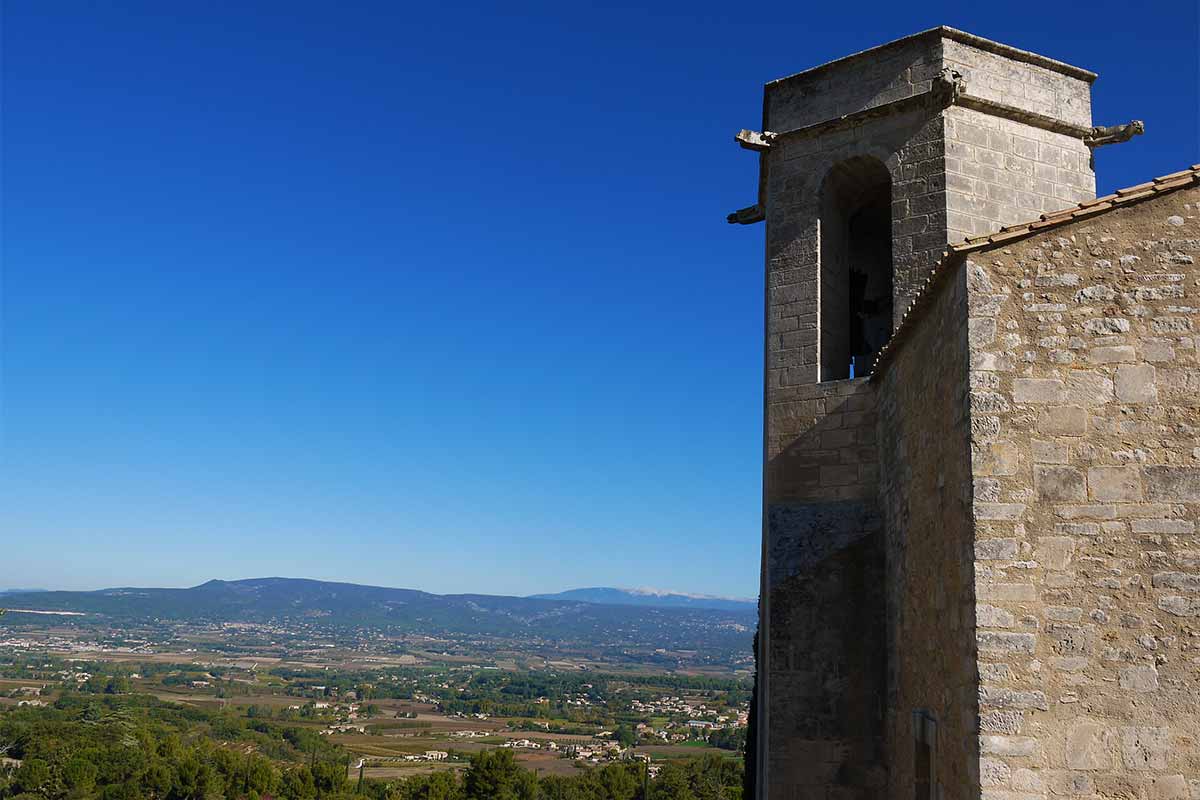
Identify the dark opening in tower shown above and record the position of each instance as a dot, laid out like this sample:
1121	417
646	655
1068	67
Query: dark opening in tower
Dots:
855	293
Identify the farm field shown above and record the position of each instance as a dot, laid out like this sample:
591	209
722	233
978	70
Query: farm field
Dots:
390	714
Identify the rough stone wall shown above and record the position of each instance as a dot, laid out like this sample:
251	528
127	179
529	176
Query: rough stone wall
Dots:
925	495
1085	408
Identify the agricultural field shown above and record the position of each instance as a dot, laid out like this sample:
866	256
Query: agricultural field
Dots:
398	721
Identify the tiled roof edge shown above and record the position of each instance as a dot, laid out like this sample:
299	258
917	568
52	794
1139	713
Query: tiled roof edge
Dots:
954	256
1121	197
946	266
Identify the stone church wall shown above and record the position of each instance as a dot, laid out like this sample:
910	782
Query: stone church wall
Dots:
925	495
1085	407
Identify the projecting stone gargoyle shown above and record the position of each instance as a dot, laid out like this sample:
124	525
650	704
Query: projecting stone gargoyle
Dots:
1114	134
948	87
746	216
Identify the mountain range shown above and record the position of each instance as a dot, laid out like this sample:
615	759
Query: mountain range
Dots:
657	598
608	620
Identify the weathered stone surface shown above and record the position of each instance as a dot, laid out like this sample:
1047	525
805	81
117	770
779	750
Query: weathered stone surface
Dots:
1135	383
1059	483
1018	746
1055	552
1063	421
996	458
1168	526
1008	592
1029	782
1178	606
1063	613
1115	483
994	772
1012	698
1109	355
1050	452
1185	581
1088	388
1139	679
1087	746
999	511
1006	722
987	616
996	549
1105	325
1170	787
1174	484
991	641
1038	390
1145	748
1110	478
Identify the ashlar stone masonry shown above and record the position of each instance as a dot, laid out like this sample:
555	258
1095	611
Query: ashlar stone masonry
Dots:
981	570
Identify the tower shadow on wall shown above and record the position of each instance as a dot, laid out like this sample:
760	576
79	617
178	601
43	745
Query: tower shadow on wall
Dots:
827	605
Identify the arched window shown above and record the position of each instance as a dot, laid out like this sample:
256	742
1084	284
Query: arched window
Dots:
855	295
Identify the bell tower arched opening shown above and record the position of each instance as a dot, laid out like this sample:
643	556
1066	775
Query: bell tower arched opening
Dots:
855	288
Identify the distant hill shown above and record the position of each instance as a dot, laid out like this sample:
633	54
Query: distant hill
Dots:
613	627
651	597
20	591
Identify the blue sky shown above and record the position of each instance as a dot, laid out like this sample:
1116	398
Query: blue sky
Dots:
427	295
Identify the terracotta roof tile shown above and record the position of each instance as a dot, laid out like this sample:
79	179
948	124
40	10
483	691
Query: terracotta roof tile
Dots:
1088	208
1005	236
1058	216
1174	184
1174	175
1135	189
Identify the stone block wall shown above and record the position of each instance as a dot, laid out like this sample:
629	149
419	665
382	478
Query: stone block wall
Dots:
826	650
1085	405
882	75
822	446
955	172
1021	80
1000	172
925	497
823	639
910	147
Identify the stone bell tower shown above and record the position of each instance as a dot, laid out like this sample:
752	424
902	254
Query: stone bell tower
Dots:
869	166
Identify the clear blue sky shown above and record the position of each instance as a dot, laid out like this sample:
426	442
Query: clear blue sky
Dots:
419	294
